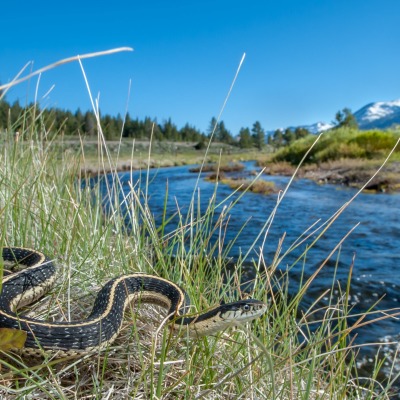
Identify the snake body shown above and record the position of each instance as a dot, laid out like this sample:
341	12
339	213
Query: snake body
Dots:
37	274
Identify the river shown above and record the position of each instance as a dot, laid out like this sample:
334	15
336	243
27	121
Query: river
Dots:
373	221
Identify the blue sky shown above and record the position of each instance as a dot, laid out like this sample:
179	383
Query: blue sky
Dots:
305	59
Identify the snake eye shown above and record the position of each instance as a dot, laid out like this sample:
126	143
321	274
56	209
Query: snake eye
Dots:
246	307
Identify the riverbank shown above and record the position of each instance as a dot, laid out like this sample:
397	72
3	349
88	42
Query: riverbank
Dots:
351	173
345	156
127	155
134	155
348	172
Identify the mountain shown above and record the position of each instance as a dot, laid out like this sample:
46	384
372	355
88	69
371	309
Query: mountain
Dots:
315	128
380	115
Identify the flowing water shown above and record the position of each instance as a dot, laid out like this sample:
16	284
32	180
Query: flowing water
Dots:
371	248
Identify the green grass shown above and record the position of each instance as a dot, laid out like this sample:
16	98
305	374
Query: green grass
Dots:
341	144
280	356
128	153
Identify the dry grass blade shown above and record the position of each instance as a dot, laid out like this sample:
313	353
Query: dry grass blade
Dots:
65	61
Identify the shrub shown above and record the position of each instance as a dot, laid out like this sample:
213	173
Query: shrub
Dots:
338	144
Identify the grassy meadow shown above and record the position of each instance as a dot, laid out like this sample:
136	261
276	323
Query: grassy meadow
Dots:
280	356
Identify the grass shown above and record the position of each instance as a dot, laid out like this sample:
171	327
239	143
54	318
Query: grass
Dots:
288	354
260	186
130	154
219	168
341	156
135	154
44	206
343	143
255	186
218	174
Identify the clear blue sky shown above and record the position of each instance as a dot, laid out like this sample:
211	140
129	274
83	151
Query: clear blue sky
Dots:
305	59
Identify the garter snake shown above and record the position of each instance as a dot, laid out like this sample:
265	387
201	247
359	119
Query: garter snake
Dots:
36	274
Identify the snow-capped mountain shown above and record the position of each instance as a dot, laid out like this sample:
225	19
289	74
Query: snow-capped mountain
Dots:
317	127
313	128
381	115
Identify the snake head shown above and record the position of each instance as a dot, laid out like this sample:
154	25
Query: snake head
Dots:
222	317
242	311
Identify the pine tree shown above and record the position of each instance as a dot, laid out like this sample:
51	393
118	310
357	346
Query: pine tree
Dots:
169	130
288	136
213	127
258	134
345	118
278	138
190	134
89	124
223	136
245	139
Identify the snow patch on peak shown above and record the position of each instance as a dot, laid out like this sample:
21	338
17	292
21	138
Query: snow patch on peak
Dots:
315	128
321	126
380	109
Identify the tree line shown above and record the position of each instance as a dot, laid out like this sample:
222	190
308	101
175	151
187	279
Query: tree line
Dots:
57	121
17	118
54	121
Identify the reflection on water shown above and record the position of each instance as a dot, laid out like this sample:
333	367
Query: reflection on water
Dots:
373	244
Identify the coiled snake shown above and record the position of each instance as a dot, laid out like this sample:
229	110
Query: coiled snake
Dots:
37	274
